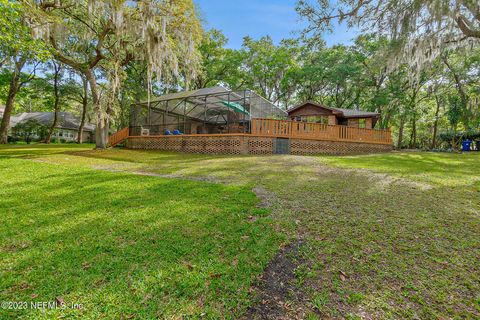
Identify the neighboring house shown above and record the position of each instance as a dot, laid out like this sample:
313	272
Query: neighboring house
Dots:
2	110
67	127
314	112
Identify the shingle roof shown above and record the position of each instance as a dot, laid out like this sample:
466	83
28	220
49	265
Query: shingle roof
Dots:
356	113
66	120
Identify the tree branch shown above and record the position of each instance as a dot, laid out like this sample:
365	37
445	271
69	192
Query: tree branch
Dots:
474	9
466	27
54	5
66	60
98	48
31	76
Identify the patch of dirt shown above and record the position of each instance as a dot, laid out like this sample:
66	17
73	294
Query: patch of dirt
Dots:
170	176
267	198
381	181
384	181
277	295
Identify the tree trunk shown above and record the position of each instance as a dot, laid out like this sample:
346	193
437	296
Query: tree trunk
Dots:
84	110
435	124
385	121
57	68
101	131
400	132
12	93
413	137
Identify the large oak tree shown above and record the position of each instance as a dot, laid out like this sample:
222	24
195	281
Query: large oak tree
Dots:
100	37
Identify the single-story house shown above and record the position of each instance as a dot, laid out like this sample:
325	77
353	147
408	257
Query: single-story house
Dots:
67	127
314	112
221	121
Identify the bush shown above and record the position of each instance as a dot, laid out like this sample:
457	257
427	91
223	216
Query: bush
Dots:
11	139
29	130
465	135
454	139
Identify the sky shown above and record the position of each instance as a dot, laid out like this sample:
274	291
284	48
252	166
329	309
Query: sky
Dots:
257	18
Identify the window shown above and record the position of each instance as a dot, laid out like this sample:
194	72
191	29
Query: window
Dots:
362	123
313	119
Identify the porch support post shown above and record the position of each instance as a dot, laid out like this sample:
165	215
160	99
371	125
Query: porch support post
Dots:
165	115
204	130
228	112
184	116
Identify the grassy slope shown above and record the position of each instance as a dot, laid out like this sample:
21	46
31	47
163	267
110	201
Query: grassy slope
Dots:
409	246
443	169
400	243
126	245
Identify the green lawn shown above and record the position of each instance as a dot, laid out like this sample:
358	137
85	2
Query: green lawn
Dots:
147	234
126	245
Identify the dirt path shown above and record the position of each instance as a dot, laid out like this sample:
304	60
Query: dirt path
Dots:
276	294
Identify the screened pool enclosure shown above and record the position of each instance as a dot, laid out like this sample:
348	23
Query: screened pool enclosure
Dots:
205	111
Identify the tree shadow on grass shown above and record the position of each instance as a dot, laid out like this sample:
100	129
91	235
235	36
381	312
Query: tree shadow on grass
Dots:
126	155
38	149
124	245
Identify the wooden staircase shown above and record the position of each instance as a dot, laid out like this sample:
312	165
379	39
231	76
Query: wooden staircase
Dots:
118	137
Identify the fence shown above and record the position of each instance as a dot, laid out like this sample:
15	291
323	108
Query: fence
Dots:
306	130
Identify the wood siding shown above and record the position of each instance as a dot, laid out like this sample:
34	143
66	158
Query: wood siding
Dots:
310	110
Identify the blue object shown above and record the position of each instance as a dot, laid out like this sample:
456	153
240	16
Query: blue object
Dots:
466	145
176	132
168	133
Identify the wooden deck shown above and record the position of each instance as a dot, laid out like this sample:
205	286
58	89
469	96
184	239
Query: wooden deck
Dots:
317	131
291	130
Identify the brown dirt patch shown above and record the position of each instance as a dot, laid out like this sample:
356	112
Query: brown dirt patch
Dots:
277	295
267	198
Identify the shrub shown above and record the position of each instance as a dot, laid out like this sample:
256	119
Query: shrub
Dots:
454	139
29	129
11	139
465	135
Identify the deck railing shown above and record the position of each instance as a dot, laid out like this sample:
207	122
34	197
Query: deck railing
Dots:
317	131
118	137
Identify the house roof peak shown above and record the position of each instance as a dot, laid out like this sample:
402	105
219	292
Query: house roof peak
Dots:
346	113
